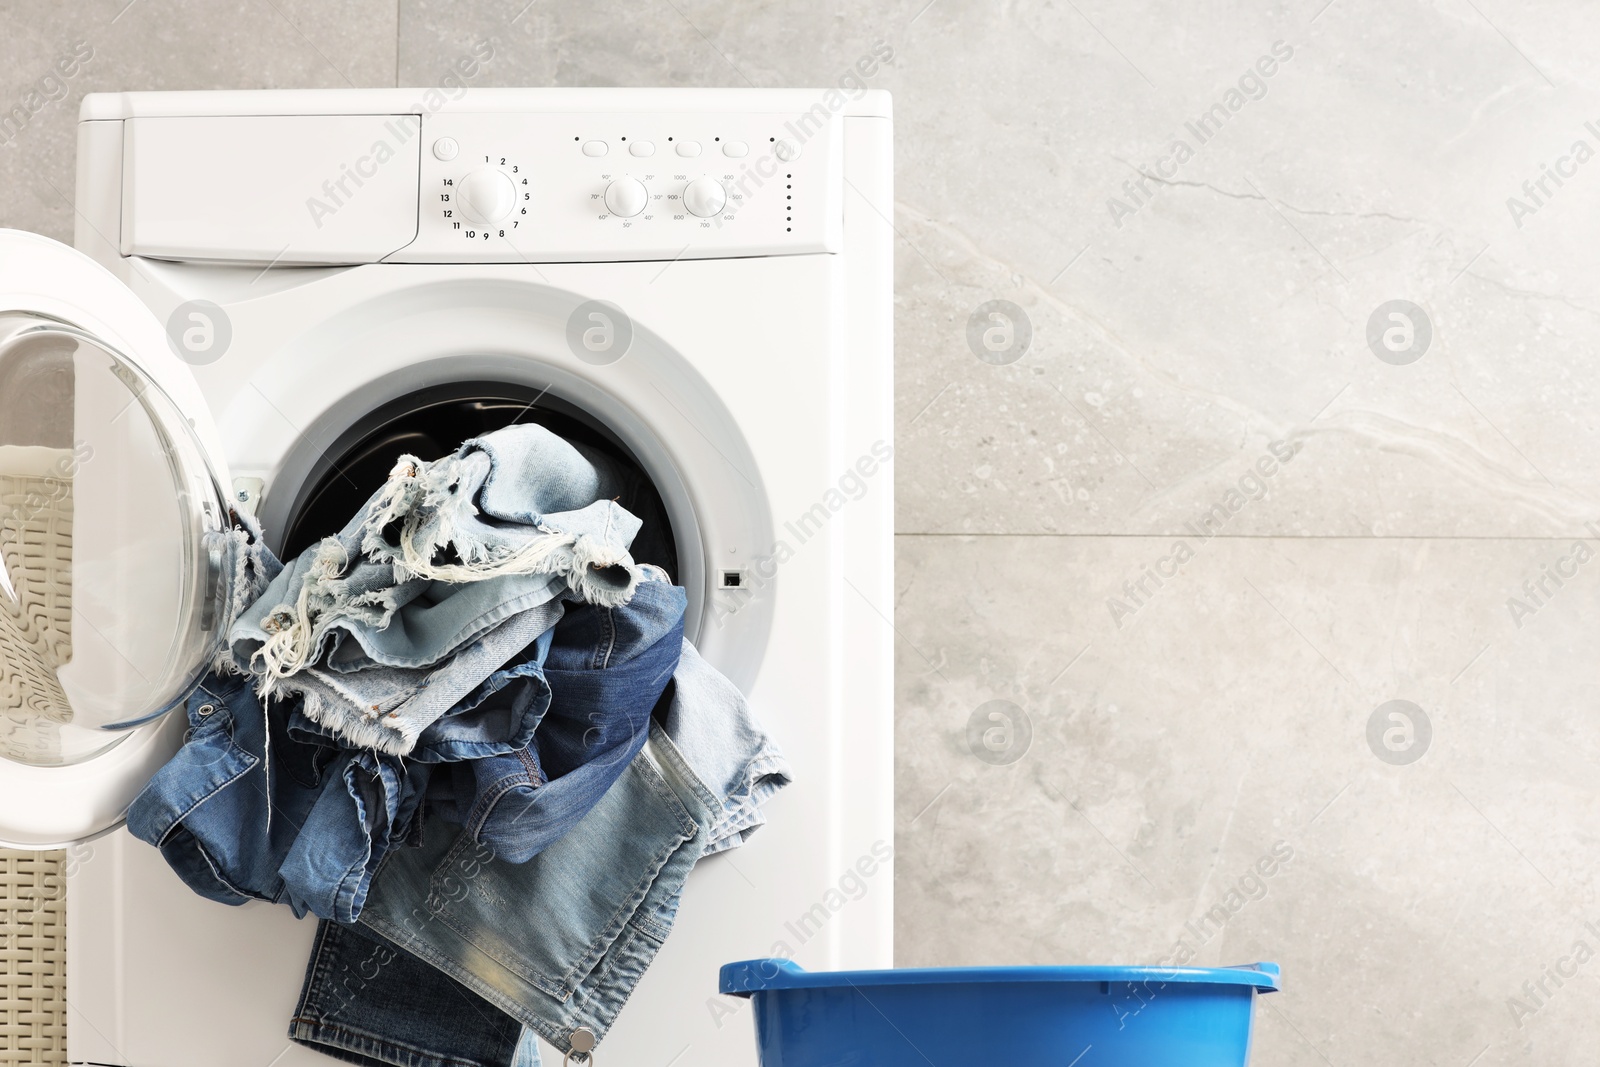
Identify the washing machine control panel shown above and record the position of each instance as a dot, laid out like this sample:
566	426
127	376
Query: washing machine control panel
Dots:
506	187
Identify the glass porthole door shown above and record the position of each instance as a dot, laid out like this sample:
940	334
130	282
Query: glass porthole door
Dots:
112	518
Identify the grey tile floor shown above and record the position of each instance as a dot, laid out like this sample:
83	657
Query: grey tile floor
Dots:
1203	215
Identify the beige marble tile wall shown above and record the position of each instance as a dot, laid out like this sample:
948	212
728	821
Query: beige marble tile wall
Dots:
1247	462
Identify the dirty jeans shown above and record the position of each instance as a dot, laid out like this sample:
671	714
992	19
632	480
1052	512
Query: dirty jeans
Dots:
307	821
558	943
440	558
590	913
531	749
605	671
438	1022
207	810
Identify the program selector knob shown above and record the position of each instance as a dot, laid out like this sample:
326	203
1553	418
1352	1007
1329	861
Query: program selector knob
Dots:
704	197
626	197
487	195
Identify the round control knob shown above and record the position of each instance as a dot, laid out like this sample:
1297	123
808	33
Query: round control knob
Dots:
486	195
626	197
705	197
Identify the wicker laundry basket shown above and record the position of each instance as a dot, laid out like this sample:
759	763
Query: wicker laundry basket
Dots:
33	959
36	626
36	549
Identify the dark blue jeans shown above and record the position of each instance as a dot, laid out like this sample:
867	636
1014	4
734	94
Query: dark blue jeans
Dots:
605	670
367	1001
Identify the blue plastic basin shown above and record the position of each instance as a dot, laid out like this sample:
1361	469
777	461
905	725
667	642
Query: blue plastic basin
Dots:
1002	1016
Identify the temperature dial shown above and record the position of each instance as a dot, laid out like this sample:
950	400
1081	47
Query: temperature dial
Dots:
705	197
487	195
626	197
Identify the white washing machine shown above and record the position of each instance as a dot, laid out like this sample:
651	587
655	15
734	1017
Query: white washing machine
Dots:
273	293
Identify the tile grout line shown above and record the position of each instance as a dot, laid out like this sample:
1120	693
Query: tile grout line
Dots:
1552	538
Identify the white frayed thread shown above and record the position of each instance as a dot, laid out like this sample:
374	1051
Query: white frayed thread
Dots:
266	756
415	492
598	572
252	569
369	732
289	649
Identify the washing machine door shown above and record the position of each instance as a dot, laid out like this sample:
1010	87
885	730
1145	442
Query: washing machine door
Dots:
111	526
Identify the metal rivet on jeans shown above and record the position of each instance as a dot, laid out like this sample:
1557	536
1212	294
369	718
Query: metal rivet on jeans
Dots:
205	710
583	1042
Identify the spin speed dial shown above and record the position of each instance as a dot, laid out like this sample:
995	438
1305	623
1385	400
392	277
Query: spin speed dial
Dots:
704	197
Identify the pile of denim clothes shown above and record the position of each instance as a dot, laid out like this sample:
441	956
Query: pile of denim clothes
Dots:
467	734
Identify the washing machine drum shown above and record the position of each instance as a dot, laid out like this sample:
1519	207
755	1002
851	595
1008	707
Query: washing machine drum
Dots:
431	423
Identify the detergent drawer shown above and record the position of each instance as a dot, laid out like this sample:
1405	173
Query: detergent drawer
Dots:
270	189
